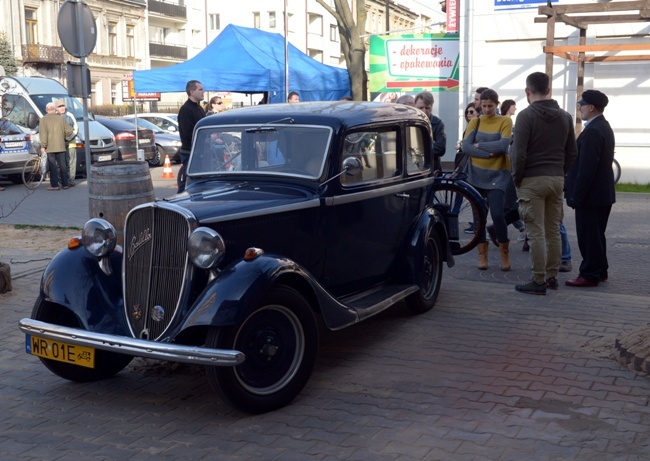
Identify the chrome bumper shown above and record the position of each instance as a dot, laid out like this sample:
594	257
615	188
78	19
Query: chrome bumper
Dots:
132	346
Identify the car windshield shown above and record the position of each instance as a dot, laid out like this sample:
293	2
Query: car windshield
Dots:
287	150
7	128
145	124
72	105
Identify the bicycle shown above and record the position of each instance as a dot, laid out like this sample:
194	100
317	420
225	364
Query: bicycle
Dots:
34	171
459	203
616	167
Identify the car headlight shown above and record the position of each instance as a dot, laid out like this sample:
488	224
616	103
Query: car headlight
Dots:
99	237
206	248
176	143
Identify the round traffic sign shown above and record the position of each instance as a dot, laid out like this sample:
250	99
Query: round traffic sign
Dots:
77	29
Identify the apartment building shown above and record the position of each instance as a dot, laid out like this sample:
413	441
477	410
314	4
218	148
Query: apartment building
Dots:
149	34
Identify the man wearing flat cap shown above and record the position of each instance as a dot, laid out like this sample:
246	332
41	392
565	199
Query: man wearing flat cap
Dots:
71	147
590	188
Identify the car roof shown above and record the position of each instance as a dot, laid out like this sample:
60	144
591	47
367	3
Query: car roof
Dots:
116	124
156	114
331	113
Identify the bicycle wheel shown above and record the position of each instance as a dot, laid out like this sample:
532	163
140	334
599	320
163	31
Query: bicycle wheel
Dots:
464	211
616	167
32	175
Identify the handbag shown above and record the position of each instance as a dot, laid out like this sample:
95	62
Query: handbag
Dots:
461	159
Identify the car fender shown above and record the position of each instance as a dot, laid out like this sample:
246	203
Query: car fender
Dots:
74	280
430	220
241	287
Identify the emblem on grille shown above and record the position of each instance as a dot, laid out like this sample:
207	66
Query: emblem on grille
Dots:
157	313
138	241
136	312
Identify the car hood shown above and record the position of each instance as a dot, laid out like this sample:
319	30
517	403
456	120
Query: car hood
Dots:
228	201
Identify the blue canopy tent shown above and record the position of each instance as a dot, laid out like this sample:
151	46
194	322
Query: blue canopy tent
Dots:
246	60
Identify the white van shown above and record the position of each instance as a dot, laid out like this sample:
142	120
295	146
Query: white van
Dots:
24	100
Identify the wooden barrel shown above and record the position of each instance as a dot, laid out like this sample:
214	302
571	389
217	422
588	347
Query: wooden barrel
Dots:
115	188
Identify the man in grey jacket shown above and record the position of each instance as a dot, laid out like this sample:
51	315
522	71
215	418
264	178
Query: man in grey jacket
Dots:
543	150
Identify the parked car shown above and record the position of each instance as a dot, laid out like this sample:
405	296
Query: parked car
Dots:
125	138
165	121
15	149
166	143
280	223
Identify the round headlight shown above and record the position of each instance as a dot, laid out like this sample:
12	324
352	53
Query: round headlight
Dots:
206	248
99	237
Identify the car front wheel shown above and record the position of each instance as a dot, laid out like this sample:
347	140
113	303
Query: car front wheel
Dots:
107	364
280	341
430	276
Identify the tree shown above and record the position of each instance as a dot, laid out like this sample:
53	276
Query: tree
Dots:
354	47
7	59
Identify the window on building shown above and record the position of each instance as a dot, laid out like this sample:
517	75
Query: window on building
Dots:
31	26
316	55
215	22
112	38
272	22
130	41
334	33
315	24
256	20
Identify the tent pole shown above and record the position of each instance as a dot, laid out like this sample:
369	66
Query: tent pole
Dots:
286	52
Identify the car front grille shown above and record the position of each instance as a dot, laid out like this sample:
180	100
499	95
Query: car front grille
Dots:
156	266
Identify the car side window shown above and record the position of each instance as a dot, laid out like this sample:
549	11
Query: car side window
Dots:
377	151
16	109
416	159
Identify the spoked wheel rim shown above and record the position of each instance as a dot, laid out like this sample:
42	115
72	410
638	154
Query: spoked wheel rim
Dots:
273	341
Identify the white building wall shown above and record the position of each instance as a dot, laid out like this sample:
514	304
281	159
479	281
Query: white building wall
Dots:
500	48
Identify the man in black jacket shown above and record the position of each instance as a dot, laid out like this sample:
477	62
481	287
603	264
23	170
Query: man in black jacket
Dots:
424	102
590	189
189	113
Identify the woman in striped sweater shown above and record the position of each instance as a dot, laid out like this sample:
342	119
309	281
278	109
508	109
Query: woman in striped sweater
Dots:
487	140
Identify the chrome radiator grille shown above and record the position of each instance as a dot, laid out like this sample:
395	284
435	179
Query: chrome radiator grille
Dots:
155	266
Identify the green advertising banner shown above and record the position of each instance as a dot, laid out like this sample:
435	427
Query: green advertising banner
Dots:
412	63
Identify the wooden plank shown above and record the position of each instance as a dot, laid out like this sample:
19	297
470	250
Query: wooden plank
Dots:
582	21
594	7
600	47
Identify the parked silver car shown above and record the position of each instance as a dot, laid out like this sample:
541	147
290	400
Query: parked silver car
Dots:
165	121
166	143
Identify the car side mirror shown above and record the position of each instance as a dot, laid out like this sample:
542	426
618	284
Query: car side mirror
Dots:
32	120
351	167
171	129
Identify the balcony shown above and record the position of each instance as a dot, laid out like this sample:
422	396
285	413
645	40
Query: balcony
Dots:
160	50
42	54
168	8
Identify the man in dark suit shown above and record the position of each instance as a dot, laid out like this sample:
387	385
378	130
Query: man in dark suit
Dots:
590	189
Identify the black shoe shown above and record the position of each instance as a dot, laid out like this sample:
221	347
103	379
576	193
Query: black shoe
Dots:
470	229
493	234
532	288
551	283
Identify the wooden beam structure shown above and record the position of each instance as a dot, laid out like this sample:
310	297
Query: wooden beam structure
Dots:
581	16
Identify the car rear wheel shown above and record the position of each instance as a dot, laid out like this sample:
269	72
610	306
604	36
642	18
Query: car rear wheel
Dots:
280	341
107	364
430	273
155	161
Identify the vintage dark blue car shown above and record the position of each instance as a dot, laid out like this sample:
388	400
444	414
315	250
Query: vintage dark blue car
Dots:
291	212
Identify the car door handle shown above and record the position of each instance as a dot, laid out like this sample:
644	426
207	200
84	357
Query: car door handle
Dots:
402	195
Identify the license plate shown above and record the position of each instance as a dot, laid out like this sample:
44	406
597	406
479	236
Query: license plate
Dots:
13	144
60	351
145	141
104	158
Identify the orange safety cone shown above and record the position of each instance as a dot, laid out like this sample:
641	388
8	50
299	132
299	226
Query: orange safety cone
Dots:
167	169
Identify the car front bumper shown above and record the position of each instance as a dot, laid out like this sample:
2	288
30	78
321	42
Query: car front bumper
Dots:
132	346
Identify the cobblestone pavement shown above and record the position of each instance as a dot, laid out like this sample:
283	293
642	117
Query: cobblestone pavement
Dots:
489	374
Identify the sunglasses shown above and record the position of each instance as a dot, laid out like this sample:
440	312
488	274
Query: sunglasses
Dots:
471	111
